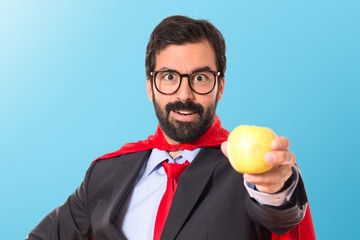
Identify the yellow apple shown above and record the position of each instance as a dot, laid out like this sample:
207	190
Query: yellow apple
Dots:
247	146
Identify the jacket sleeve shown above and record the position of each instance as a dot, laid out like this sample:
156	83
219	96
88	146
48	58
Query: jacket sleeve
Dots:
70	221
280	219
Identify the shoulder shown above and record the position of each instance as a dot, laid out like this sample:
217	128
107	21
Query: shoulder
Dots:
111	163
108	168
103	174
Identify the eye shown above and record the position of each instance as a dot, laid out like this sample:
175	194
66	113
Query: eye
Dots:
200	77
169	76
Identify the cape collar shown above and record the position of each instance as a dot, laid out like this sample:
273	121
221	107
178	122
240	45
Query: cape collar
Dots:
213	137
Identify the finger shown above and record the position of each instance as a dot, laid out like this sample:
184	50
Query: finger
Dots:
276	158
271	181
274	176
224	148
280	143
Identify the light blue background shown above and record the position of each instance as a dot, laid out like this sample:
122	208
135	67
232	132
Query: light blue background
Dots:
72	87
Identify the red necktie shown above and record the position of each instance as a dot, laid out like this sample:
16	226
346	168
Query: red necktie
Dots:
173	172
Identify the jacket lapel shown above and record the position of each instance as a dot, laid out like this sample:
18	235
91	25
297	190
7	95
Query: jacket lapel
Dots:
127	171
190	186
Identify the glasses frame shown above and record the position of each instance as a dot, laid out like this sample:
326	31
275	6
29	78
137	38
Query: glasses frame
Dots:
187	75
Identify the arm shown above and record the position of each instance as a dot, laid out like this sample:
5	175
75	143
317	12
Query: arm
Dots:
278	215
282	218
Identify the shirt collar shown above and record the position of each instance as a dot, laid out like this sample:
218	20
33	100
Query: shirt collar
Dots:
157	156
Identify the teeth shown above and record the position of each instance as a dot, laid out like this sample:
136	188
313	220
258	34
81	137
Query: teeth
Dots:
184	112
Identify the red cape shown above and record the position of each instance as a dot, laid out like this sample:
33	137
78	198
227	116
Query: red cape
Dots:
213	137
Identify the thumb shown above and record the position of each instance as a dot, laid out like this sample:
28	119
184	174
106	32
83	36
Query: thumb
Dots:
224	148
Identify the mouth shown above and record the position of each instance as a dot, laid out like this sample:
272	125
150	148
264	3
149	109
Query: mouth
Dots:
185	113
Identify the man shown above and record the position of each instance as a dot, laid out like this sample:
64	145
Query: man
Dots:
121	196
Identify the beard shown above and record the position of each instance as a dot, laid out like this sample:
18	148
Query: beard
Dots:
181	131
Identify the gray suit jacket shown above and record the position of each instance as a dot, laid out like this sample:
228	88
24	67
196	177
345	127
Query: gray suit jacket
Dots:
211	202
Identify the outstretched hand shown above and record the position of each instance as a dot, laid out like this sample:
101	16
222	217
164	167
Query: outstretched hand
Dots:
281	160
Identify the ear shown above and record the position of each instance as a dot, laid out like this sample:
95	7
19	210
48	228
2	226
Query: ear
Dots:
221	88
149	89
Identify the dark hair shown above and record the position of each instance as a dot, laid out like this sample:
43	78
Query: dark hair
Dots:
180	30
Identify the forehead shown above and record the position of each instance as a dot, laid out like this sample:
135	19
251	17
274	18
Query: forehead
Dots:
186	57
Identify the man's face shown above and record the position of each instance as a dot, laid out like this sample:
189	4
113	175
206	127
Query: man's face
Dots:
185	115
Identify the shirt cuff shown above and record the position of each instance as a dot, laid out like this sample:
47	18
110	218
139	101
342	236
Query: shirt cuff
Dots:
274	199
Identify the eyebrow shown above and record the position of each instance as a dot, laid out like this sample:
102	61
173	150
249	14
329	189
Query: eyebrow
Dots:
205	68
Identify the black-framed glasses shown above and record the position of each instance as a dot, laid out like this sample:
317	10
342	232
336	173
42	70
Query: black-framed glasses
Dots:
201	82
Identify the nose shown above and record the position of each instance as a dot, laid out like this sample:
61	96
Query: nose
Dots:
184	93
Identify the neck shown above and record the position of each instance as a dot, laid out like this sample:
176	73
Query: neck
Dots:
172	141
173	154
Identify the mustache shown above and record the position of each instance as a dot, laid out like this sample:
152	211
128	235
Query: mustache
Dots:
178	106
